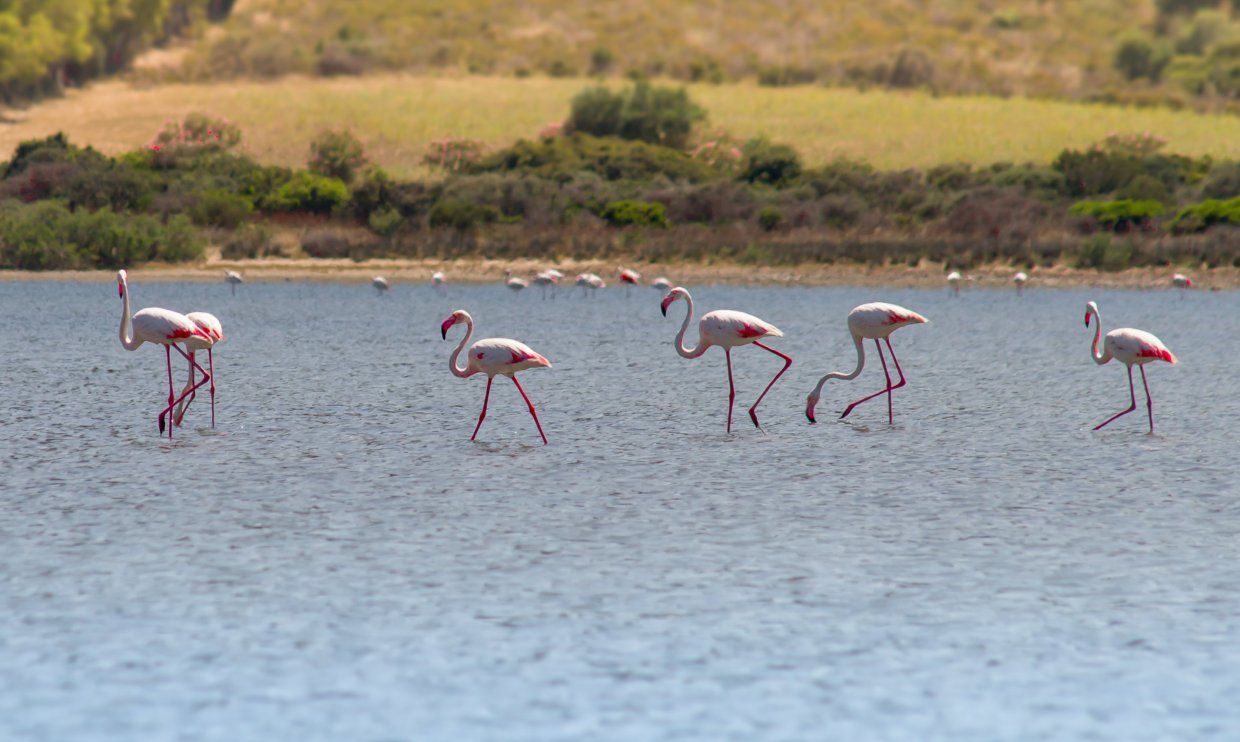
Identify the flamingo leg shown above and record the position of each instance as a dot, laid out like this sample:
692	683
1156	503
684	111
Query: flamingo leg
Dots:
183	405
168	356
485	400
211	364
753	415
727	354
533	412
1133	393
1149	401
171	403
880	392
886	375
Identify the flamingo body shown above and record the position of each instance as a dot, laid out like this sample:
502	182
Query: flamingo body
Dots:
630	276
380	283
729	328
1130	347
661	283
516	284
1181	281
877	320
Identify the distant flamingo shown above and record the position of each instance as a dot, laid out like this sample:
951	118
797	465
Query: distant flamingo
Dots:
1132	348
728	329
493	356
215	333
875	321
1181	282
380	283
629	278
589	283
159	326
514	283
545	279
953	280
661	283
438	279
1020	279
232	278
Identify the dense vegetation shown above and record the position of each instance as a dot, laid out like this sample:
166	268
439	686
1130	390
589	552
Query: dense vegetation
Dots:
1124	201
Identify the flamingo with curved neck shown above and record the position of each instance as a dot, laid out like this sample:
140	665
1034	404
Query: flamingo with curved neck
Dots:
1131	347
211	324
492	356
728	329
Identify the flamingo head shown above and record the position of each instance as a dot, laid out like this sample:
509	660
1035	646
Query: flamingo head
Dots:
676	293
121	277
1090	308
810	404
1188	282
455	318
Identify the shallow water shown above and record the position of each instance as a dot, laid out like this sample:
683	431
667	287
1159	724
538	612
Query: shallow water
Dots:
336	560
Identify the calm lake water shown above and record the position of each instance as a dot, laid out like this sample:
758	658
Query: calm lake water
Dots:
338	561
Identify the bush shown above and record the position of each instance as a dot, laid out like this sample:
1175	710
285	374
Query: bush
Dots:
658	115
337	154
1202	216
251	241
462	215
1145	188
769	218
1137	56
783	75
773	164
635	214
1093	171
1118	215
1101	252
841	211
601	60
308	192
912	69
453	154
563	158
220	208
1223	181
53	149
327	243
385	222
48	236
377	191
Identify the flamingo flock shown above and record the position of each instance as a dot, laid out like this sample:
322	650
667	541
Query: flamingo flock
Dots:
191	333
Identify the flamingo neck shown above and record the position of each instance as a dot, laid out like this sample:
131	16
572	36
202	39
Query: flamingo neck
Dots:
1099	357
857	340
127	339
463	372
680	336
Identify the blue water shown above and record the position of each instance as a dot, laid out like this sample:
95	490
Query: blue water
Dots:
337	561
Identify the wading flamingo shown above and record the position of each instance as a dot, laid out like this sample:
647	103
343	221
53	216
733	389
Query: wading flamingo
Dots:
493	356
1132	348
514	283
629	277
380	283
661	283
232	278
953	280
1181	282
875	321
545	279
1020	279
438	279
589	283
215	332
728	329
161	327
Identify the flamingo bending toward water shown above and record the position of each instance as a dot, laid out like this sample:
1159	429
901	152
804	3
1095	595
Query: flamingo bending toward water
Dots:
161	327
661	283
232	278
545	279
215	333
875	321
590	282
1020	279
493	356
728	329
1132	348
380	283
1181	282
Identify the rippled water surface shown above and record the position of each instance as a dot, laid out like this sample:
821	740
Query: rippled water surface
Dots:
337	561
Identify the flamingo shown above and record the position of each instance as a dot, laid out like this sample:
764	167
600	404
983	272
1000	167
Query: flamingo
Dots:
953	280
1132	348
215	333
1020	279
493	356
380	283
589	283
875	321
158	326
514	283
728	329
1181	282
232	278
661	283
545	279
438	279
629	277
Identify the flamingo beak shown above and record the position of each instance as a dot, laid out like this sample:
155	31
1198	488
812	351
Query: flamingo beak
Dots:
443	329
809	410
667	302
1087	319
120	290
1189	283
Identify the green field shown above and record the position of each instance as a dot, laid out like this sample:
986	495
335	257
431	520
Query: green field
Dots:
396	116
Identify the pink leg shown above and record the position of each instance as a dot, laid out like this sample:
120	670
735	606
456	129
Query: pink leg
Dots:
211	364
886	375
485	400
533	412
168	356
880	392
183	407
1149	401
1131	391
753	415
727	354
171	403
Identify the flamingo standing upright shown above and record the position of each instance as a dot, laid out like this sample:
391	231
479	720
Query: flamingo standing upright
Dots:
589	283
232	278
953	280
629	278
159	326
215	333
545	279
1020	279
438	279
661	283
1181	282
1132	348
875	321
728	329
380	283
514	283
493	356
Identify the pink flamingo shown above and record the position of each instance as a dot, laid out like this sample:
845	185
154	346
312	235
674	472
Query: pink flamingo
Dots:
211	324
493	356
159	326
629	277
728	329
1132	348
875	321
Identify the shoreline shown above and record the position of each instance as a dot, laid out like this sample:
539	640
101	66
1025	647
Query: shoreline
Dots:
481	271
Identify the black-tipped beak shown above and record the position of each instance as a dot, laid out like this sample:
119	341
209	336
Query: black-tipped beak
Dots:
443	333
663	309
810	417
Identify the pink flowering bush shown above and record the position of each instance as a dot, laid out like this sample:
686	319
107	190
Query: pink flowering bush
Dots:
197	132
453	154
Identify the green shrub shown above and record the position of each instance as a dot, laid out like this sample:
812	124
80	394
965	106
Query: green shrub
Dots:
1145	188
602	60
220	208
461	215
385	222
644	112
250	241
1101	252
1094	171
778	76
1202	216
769	218
376	191
635	214
337	154
562	158
1118	215
1223	181
308	192
1138	56
773	164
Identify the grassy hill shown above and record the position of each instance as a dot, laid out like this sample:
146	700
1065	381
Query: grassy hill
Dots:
398	115
1023	47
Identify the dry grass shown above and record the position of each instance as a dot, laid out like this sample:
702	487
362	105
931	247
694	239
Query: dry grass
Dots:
396	115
